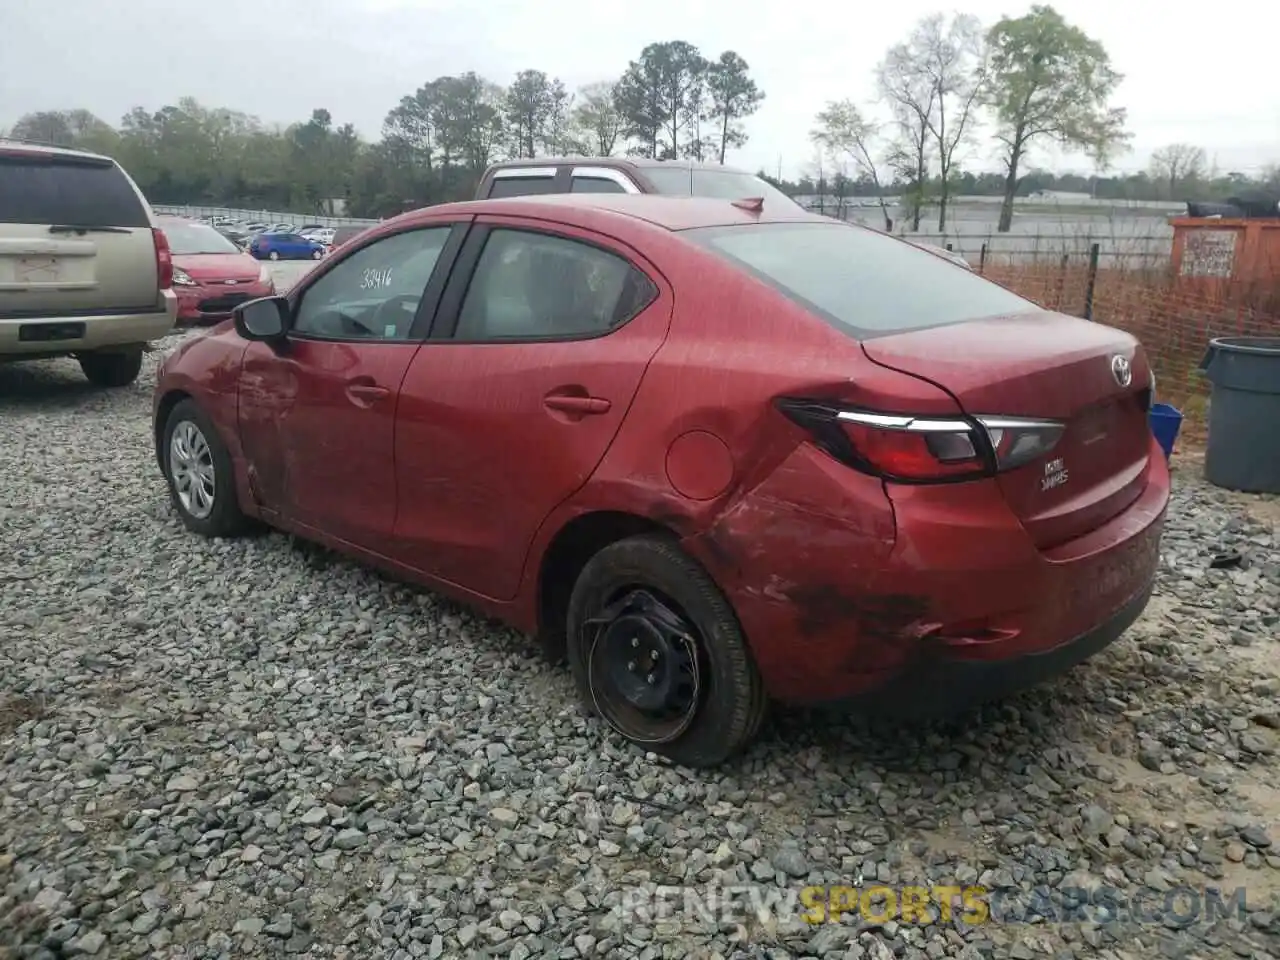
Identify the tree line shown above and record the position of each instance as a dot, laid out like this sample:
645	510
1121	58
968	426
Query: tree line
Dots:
947	95
670	102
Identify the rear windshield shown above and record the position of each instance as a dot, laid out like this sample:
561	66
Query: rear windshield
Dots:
189	239
860	280
718	184
54	190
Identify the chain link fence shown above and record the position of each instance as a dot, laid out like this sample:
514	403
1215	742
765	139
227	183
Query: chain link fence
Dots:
259	216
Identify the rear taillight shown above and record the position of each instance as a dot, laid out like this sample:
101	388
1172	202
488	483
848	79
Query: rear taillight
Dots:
924	449
164	259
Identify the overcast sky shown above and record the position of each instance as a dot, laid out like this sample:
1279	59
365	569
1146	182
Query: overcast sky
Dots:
279	59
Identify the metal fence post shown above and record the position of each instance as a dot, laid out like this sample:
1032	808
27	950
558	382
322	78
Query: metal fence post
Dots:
982	258
1092	281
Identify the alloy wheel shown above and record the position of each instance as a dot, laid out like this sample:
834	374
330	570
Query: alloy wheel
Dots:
191	468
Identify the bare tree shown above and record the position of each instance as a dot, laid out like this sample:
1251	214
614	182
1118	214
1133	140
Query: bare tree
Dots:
955	62
913	101
1178	164
818	171
845	135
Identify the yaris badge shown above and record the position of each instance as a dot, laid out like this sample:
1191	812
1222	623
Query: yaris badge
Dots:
1121	370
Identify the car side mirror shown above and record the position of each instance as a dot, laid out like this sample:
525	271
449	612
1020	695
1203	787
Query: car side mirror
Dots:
265	319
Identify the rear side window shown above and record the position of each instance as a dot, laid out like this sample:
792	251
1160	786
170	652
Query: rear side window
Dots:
58	190
595	185
718	184
521	186
861	281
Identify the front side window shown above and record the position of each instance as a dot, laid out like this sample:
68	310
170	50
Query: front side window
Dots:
862	281
374	293
530	284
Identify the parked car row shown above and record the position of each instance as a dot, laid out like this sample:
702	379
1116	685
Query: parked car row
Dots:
285	240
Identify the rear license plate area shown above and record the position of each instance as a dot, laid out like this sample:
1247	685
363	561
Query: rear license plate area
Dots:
37	270
46	332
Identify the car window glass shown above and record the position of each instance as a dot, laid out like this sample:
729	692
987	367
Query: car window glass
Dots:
41	189
374	293
521	186
859	280
531	284
595	185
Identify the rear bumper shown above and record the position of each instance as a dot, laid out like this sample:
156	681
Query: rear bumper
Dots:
58	336
938	686
954	606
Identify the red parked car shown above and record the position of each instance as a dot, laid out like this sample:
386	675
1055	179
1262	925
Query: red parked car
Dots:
712	454
211	275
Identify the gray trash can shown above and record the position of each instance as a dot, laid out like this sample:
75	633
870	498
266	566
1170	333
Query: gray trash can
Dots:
1244	413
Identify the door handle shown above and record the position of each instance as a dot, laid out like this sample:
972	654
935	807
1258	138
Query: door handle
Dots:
582	406
366	391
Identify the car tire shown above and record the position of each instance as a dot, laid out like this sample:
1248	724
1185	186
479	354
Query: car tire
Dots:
273	255
647	585
111	368
317	254
218	514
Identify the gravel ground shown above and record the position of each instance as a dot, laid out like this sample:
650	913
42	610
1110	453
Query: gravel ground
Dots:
257	749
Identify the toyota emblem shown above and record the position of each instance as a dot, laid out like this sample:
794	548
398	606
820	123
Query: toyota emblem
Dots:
1121	370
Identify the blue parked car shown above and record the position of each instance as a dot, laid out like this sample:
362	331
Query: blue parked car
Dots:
285	246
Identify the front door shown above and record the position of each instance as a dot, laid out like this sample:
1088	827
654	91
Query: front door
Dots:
317	417
506	412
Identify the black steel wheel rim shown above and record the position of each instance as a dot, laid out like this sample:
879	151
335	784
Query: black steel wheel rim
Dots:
643	667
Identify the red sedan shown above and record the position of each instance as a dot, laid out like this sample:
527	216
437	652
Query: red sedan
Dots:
711	453
211	275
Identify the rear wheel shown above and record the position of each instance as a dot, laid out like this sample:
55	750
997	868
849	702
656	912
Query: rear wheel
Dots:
317	254
201	478
657	652
273	255
115	369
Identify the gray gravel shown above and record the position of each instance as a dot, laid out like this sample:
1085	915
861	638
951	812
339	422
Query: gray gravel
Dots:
257	749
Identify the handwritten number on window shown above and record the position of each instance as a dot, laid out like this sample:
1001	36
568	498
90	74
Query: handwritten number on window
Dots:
376	278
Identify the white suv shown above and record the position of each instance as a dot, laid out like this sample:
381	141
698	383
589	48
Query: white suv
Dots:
84	269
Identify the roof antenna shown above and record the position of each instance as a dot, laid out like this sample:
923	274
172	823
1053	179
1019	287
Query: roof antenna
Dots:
749	204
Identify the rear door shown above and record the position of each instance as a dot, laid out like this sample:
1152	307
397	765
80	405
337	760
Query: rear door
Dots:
543	335
75	237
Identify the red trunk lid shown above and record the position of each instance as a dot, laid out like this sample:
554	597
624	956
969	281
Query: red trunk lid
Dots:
1051	366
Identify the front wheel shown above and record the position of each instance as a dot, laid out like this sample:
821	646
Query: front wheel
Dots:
273	255
201	478
111	369
317	254
657	652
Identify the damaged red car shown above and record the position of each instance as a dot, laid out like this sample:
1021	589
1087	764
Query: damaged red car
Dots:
711	453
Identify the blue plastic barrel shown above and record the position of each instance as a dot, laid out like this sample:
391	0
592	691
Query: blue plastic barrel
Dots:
1166	421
